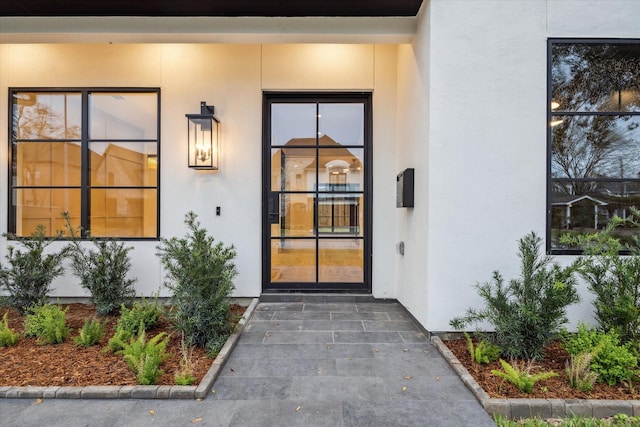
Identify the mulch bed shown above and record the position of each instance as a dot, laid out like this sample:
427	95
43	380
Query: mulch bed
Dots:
31	364
553	388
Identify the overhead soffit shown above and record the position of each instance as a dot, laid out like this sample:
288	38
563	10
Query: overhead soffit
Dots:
211	8
209	21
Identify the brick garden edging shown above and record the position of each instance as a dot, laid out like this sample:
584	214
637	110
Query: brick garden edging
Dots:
542	408
139	391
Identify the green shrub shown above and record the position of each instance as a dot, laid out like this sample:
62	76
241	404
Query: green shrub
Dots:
7	336
215	345
183	378
527	313
29	273
119	340
48	323
143	313
521	377
90	333
145	357
102	271
613	362
484	352
133	321
200	275
612	277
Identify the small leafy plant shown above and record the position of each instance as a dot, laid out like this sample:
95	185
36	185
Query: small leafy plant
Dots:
618	420
612	277
214	346
118	341
200	275
145	357
484	352
521	377
102	271
7	336
528	312
143	313
613	362
579	372
90	333
48	323
141	317
30	272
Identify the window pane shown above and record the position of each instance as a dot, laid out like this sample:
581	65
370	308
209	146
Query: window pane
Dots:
592	209
341	169
341	260
123	213
46	115
595	147
47	164
341	124
296	216
293	260
293	124
45	206
596	77
123	115
124	164
340	214
293	169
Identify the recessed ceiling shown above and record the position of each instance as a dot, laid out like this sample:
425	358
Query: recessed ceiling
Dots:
214	8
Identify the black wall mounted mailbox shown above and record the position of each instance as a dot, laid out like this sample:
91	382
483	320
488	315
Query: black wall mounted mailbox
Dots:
404	188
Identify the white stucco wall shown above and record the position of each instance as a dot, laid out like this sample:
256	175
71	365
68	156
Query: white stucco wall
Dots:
463	104
413	152
487	137
231	77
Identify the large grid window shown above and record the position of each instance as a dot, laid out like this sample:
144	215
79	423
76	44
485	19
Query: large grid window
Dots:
90	152
593	136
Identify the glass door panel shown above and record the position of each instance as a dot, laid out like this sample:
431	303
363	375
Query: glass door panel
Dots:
340	213
293	260
340	260
295	216
293	124
293	169
343	123
315	194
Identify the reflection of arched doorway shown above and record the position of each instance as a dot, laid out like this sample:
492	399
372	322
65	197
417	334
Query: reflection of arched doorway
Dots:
316	192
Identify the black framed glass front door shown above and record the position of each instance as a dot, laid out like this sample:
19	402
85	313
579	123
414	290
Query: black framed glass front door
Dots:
317	179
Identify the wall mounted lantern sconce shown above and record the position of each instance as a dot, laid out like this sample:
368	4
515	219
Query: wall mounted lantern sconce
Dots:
204	138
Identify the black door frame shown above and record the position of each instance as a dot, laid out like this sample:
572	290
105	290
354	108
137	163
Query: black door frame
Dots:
270	97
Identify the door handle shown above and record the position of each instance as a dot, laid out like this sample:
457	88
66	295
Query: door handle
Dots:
274	208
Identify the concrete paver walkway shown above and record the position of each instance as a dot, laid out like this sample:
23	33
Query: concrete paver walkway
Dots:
299	364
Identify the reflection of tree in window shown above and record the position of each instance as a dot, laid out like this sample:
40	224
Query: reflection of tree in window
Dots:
594	130
594	84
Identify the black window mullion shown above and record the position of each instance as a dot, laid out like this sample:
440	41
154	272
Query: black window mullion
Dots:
85	193
317	195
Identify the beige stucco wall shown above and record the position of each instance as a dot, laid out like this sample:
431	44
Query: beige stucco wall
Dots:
231	77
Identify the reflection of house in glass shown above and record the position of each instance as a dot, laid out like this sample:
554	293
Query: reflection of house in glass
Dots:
595	209
572	211
51	184
125	206
336	185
